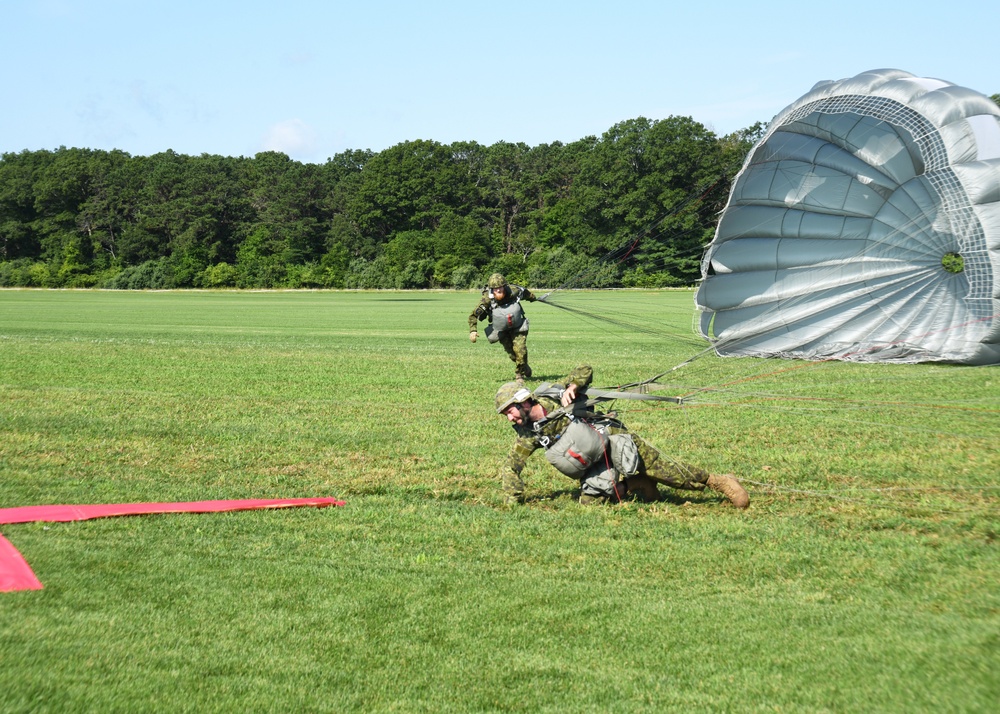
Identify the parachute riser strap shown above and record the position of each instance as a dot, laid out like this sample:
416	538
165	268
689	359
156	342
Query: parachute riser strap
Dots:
575	410
603	395
572	414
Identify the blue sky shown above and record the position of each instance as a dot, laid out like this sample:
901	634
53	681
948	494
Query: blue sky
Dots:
316	78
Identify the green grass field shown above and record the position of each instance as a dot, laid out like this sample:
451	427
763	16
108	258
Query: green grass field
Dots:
863	578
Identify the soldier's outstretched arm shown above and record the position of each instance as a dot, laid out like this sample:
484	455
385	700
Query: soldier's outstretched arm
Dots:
580	376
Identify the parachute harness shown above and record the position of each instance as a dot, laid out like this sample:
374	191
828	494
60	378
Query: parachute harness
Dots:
580	412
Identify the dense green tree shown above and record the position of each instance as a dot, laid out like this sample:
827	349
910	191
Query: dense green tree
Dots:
288	198
110	207
258	260
343	233
407	246
458	240
343	176
629	207
18	172
333	267
552	189
638	192
410	186
505	168
60	189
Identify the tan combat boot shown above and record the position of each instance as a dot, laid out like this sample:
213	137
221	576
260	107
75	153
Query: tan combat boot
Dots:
729	487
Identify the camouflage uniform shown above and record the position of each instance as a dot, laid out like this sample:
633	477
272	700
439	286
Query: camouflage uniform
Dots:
516	344
652	464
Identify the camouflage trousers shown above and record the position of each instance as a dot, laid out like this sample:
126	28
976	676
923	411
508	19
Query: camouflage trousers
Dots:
517	349
663	470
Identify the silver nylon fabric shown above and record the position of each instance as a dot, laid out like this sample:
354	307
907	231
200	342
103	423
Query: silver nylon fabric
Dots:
831	245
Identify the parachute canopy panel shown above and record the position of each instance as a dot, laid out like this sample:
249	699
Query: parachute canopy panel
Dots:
865	226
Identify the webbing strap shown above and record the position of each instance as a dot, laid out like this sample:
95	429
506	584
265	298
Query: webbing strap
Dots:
594	396
604	395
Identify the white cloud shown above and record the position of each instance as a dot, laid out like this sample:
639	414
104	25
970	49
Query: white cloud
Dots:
146	100
100	122
291	136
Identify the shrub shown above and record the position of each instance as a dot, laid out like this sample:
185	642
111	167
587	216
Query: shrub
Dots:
220	275
151	275
465	277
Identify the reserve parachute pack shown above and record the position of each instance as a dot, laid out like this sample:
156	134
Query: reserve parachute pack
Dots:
577	449
509	317
585	450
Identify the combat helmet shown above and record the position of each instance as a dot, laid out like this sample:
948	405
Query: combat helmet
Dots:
496	281
511	393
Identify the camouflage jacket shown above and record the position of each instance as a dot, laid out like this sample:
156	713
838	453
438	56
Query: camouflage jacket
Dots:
485	305
529	440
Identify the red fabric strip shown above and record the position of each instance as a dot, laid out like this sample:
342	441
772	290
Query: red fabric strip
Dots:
62	514
15	573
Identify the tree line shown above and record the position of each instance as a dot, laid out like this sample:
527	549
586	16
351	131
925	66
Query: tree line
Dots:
417	215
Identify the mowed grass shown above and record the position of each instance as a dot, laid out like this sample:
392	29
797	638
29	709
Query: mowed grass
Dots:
863	577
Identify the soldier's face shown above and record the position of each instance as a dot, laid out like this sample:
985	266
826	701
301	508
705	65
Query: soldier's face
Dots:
515	414
498	293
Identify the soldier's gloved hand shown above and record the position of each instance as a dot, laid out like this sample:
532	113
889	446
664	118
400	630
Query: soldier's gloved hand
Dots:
473	335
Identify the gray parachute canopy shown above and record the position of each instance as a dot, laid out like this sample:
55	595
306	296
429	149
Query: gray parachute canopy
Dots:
864	226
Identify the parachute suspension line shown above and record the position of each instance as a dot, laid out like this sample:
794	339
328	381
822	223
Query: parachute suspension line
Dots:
977	422
628	248
766	371
833	494
753	377
624	251
605	318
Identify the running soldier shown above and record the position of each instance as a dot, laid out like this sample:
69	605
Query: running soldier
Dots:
508	325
